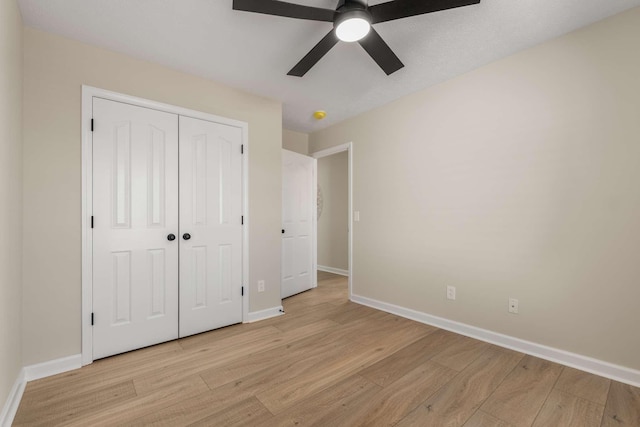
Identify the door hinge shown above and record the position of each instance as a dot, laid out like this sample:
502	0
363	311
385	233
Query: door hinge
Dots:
241	148
242	220
91	221
91	125
91	319
242	293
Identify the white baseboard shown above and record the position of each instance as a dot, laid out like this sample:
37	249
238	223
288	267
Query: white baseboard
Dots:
583	363
32	373
52	367
255	316
334	270
13	401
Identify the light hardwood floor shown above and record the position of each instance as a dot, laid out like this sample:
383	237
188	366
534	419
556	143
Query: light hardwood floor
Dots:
328	362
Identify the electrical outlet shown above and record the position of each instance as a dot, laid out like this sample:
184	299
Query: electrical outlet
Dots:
513	305
451	292
260	285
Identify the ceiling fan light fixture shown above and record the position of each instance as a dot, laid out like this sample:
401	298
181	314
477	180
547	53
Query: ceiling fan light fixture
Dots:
353	26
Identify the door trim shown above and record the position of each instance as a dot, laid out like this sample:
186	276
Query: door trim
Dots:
348	147
88	93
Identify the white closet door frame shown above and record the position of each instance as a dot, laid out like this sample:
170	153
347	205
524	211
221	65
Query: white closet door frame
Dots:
88	93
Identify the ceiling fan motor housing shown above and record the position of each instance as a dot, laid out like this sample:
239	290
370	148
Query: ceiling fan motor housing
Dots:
348	6
352	3
343	15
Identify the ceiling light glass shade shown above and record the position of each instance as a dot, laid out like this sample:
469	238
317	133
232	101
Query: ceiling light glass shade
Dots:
353	29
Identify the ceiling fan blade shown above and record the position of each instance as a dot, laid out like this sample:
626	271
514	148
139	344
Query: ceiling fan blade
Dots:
314	55
289	10
404	8
381	52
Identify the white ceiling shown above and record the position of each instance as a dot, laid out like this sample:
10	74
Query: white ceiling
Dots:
254	52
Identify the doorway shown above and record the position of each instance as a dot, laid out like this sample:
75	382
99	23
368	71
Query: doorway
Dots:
335	207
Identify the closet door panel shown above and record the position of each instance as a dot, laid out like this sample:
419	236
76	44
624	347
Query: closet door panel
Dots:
210	225
135	208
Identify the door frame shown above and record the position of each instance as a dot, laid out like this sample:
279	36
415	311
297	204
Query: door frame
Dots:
348	147
88	93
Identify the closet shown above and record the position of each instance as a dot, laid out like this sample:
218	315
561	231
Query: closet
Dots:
167	206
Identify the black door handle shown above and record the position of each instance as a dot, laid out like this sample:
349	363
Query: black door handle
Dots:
171	237
186	236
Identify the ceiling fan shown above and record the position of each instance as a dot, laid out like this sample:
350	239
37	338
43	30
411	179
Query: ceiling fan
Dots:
352	22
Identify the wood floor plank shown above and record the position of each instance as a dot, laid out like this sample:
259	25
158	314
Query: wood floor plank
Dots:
160	365
317	378
102	372
259	361
68	410
191	410
623	406
585	385
564	409
288	369
383	327
140	406
460	353
351	312
211	355
249	412
521	395
391	368
206	339
322	297
395	401
293	320
388	342
187	411
482	419
330	407
224	337
325	275
457	401
224	351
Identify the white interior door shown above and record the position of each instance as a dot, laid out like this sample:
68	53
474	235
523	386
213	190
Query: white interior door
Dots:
210	225
135	210
298	222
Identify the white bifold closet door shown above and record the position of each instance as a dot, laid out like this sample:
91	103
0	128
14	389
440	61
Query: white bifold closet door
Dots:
211	219
167	236
135	209
299	206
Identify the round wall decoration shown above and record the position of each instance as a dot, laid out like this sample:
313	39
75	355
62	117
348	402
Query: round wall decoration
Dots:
320	200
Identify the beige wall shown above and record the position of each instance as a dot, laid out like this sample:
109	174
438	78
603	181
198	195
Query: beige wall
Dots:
295	141
10	195
55	69
519	179
333	227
